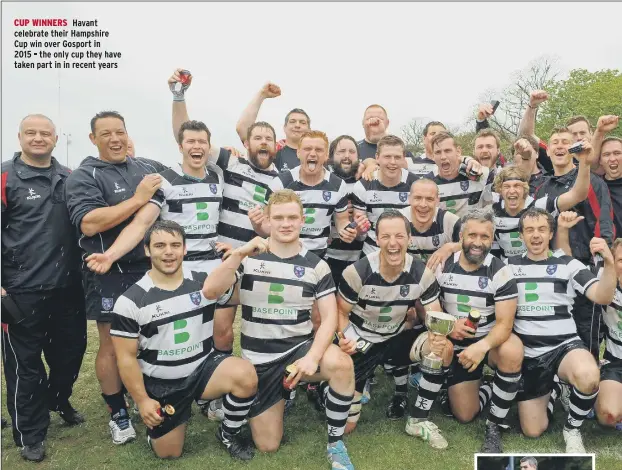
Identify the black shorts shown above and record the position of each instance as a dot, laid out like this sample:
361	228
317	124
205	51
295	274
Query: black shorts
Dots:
270	380
181	393
337	267
538	372
612	371
394	352
102	291
458	374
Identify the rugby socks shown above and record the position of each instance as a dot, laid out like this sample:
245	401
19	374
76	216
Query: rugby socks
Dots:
580	406
236	410
485	394
555	394
355	409
115	402
337	410
400	376
504	389
429	388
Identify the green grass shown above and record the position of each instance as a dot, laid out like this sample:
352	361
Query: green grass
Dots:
376	444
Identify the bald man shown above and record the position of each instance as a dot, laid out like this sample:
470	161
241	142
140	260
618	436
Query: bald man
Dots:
42	298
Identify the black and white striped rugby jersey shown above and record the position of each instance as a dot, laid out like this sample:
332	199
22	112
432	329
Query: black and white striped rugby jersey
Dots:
612	315
546	292
461	194
374	198
463	291
337	248
245	187
379	307
319	202
444	229
174	328
195	205
422	165
277	296
507	240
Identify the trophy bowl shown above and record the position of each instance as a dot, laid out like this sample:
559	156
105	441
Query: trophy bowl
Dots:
440	323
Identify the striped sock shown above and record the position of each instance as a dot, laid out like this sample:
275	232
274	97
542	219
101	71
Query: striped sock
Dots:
236	410
337	410
504	390
429	388
580	406
555	394
400	376
355	408
485	394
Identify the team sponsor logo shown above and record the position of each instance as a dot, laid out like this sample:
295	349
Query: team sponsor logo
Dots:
299	271
385	314
404	290
213	188
327	195
373	295
464	185
174	354
482	282
550	269
186	192
33	195
118	189
519	272
195	297
262	269
374	197
403	197
449	281
180	336
531	296
107	304
436	241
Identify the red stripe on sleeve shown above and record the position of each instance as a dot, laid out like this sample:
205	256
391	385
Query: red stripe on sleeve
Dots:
595	206
543	145
4	177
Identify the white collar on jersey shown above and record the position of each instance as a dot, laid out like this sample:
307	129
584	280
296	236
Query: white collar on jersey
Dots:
374	262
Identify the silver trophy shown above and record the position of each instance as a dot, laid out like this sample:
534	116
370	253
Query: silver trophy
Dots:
438	323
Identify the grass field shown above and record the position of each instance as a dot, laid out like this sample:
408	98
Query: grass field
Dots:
376	444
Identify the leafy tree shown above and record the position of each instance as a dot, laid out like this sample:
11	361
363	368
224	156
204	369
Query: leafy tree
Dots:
590	94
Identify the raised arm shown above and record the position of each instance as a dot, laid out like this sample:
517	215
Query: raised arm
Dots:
579	191
605	125
565	222
249	115
603	291
127	240
528	123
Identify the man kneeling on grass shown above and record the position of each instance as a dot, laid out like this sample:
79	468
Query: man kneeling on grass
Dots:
168	320
374	299
279	280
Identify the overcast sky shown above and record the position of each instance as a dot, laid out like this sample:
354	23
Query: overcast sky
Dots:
430	61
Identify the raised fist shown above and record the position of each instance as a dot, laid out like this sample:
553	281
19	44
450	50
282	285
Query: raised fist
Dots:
179	85
270	90
537	97
484	111
607	123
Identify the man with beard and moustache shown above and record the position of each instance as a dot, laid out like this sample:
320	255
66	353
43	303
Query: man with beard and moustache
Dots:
487	149
597	222
41	281
459	193
611	161
343	161
103	194
297	122
473	279
162	335
547	283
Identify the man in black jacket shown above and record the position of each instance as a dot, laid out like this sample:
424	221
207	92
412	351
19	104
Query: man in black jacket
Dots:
42	298
103	194
598	222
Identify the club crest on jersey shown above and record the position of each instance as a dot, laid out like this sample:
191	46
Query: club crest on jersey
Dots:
327	195
464	185
403	197
107	304
404	290
550	269
195	297
299	271
213	188
483	282
436	240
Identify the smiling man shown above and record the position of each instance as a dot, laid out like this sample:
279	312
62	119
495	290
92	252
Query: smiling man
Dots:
611	161
103	194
